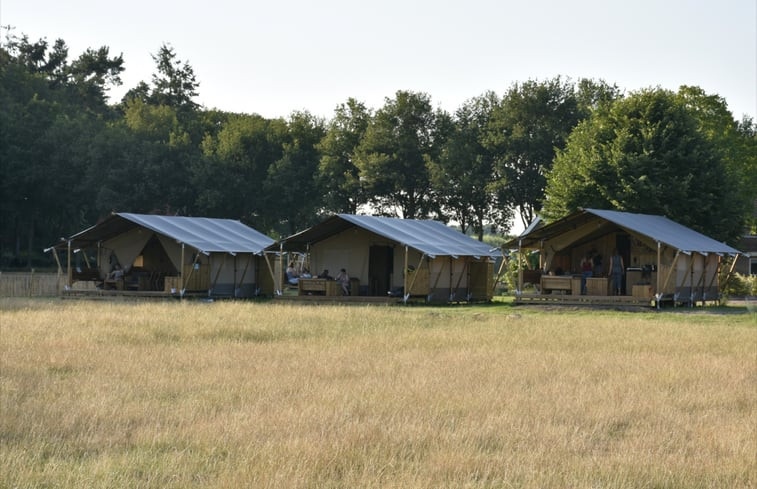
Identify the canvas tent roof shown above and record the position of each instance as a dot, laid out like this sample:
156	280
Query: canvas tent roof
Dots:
205	234
656	228
430	237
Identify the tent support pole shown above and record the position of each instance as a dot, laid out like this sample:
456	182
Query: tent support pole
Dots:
499	274
700	282
519	290
415	275
730	271
281	273
191	269
60	269
86	260
670	272
451	276
69	272
691	279
273	274
405	289
659	264
181	273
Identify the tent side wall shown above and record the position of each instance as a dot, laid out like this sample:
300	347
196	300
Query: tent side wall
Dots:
233	276
696	277
350	249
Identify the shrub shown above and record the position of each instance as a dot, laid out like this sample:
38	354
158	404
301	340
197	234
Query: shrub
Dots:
739	285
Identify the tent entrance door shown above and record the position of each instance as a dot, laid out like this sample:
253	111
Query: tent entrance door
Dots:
623	244
380	265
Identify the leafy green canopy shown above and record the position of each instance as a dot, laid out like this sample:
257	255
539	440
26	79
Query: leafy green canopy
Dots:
646	153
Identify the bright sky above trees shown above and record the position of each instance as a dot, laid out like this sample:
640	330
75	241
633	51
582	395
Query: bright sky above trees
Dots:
275	57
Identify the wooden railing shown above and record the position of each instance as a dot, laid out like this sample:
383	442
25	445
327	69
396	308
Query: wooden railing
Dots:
35	284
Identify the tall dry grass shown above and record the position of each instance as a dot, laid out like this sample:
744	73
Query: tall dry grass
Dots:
170	395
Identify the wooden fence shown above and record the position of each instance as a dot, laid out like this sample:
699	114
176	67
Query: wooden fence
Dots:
34	284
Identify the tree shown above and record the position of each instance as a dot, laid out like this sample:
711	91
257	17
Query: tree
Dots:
50	111
393	154
735	140
533	120
338	175
291	194
230	178
645	154
174	84
461	175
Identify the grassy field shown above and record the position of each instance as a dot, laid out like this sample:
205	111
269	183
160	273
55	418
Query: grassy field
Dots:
230	394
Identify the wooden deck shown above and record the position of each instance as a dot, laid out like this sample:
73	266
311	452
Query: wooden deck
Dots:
127	294
569	299
337	299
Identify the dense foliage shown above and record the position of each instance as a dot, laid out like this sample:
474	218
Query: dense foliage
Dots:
69	156
648	154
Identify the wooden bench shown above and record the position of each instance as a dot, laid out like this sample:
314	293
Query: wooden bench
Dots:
556	282
319	286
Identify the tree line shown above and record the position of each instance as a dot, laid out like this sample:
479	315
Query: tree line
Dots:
70	156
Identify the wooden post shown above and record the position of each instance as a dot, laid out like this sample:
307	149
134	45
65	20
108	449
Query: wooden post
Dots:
281	262
86	260
181	273
192	269
499	273
415	275
69	272
658	294
519	290
670	272
273	274
60	269
542	261
730	271
451	276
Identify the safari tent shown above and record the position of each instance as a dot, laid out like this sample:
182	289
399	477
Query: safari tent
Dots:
664	260
166	255
395	257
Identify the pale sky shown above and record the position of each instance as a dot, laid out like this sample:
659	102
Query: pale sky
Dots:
273	58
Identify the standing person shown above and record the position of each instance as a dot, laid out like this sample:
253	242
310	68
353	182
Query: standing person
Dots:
344	279
587	267
616	271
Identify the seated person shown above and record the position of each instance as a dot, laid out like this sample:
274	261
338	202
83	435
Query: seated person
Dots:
116	273
292	276
344	279
325	274
306	273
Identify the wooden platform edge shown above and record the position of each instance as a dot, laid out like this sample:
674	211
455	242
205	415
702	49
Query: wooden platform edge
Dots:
619	300
338	299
